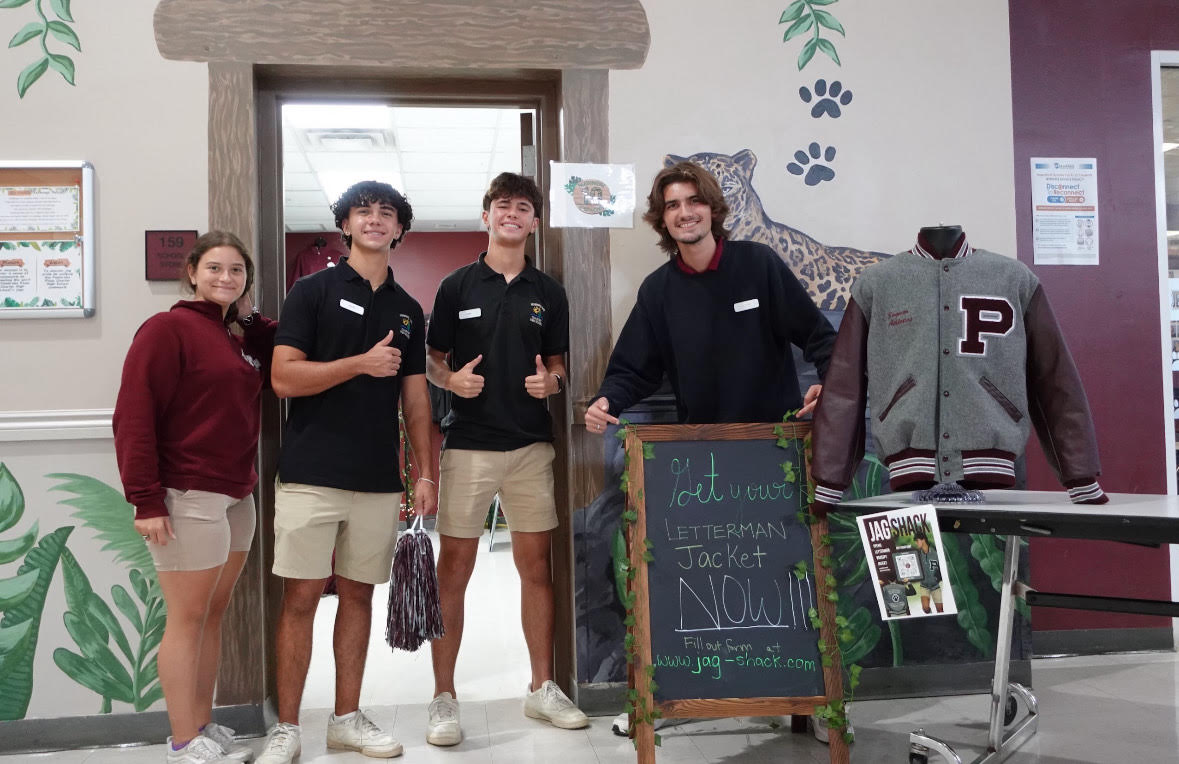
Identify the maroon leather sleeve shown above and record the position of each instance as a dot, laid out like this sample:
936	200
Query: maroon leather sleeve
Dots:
1056	400
837	440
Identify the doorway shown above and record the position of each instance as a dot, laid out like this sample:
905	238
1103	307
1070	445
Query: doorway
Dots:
439	141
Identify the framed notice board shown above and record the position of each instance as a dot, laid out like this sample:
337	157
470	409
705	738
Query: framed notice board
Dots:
721	619
46	239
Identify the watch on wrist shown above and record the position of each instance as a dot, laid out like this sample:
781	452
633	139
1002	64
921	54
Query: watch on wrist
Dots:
560	383
248	319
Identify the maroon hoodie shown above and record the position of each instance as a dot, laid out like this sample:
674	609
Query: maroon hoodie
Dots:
188	414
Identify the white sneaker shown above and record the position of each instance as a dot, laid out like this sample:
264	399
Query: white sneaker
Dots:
443	727
223	736
820	728
553	706
360	733
282	746
199	750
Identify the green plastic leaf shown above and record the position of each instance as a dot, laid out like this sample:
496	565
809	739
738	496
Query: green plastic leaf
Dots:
16	681
826	19
12	499
798	28
63	65
62	9
792	12
65	34
29	75
648	450
829	48
14	549
28	32
621	563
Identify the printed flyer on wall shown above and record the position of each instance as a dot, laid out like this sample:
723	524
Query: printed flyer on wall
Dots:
592	195
1064	211
40	274
904	552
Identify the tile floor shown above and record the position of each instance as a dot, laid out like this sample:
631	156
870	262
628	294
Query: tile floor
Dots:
1122	708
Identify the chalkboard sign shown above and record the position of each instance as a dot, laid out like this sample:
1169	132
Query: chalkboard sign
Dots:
720	613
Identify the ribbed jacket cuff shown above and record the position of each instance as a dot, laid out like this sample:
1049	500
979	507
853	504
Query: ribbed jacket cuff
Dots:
826	500
1089	493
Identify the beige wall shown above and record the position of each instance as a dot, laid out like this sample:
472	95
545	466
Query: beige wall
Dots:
141	121
719	78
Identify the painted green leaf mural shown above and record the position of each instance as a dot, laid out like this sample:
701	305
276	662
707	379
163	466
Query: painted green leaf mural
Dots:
41	30
16	678
806	16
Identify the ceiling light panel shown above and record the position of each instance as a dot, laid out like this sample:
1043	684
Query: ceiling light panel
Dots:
455	139
431	118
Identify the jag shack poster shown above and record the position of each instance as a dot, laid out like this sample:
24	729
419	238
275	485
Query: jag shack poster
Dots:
904	550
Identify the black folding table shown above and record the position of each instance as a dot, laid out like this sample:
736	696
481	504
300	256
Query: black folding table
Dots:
1132	518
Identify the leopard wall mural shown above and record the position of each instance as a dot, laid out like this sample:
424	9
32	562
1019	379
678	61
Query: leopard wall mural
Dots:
826	271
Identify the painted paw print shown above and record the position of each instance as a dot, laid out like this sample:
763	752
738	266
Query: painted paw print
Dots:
831	98
816	173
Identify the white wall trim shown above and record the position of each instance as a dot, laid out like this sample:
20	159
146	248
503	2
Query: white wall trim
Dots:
57	424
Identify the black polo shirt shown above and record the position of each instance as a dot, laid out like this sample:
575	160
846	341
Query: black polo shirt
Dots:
347	436
477	311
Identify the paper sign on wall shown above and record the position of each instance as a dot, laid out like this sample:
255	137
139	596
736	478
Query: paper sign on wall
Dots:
1064	211
592	195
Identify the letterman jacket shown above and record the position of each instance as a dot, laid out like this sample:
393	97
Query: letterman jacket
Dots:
957	355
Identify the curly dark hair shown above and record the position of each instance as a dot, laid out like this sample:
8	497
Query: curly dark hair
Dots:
706	185
372	192
510	185
212	240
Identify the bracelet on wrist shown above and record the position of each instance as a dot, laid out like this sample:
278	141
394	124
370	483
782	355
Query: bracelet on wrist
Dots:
428	480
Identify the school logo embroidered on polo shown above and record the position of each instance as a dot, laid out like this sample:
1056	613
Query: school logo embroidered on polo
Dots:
537	316
406	326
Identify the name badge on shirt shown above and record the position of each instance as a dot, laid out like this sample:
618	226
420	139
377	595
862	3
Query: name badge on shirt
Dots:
346	305
470	313
740	307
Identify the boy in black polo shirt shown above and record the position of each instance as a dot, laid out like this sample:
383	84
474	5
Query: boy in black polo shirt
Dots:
497	339
350	345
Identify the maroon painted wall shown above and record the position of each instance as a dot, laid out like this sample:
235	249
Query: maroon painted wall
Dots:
1080	73
419	262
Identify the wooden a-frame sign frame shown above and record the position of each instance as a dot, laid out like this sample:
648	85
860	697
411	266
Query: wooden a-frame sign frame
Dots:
644	734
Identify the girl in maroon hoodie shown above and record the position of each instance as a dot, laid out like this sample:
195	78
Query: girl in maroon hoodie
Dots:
186	436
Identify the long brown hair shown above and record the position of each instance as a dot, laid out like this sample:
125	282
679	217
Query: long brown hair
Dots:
212	240
706	186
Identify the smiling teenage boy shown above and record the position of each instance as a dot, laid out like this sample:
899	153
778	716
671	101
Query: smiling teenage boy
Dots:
350	347
497	340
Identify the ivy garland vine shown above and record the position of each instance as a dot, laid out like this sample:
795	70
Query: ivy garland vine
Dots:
835	712
636	706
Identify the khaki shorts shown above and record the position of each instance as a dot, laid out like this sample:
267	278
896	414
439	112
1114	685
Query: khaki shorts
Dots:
470	479
208	526
312	521
935	595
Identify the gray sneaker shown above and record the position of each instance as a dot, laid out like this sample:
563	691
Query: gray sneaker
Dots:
443	727
282	746
553	706
199	750
360	733
223	736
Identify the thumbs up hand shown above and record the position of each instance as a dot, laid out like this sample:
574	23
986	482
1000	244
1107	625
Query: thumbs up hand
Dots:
541	384
383	360
465	383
